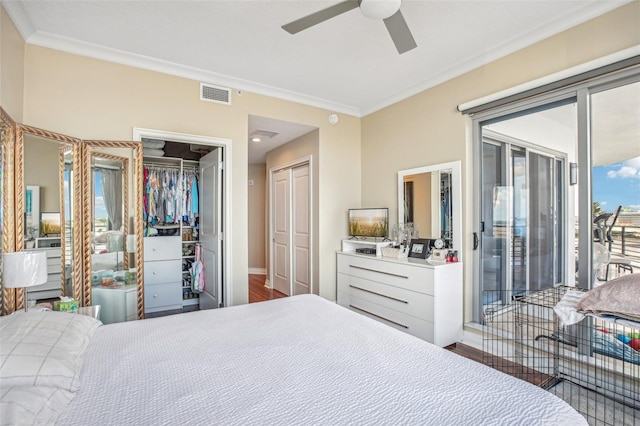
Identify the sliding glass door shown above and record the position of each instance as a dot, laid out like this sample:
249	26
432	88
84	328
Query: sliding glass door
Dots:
522	204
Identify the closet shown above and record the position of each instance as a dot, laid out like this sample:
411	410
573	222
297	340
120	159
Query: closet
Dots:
175	253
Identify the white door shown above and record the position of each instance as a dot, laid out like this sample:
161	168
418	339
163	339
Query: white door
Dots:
281	222
210	192
301	230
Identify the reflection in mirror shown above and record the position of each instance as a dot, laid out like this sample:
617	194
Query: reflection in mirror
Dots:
430	198
108	228
113	230
7	132
45	165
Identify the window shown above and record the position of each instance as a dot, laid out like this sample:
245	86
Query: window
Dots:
533	226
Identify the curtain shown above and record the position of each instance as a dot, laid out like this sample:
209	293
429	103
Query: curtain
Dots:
112	193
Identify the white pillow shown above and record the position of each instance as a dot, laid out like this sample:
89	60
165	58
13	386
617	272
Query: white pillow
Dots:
44	348
147	152
152	143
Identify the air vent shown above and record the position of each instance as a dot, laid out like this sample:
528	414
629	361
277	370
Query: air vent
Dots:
210	93
264	133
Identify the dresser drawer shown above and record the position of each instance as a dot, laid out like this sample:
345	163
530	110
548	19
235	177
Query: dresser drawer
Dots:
53	283
162	295
396	273
162	272
409	324
162	248
409	302
54	264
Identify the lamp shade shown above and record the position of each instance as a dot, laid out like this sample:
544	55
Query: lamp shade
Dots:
24	269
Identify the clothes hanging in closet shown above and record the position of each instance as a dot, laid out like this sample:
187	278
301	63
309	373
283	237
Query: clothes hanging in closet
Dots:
169	195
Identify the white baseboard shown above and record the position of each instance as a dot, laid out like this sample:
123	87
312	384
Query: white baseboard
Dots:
258	271
267	283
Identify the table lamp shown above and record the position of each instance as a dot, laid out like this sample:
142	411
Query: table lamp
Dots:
24	269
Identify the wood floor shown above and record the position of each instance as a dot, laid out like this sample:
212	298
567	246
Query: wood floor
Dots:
258	292
511	368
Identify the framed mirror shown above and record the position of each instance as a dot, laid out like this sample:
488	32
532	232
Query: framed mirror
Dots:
47	193
7	245
112	218
430	197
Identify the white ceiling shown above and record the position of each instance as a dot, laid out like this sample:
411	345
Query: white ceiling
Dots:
286	132
347	64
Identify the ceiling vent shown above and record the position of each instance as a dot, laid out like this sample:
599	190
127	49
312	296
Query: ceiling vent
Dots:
264	133
210	93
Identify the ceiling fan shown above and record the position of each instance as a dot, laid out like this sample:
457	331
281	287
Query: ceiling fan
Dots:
387	10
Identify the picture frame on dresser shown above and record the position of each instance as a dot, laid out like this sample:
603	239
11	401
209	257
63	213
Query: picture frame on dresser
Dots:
419	248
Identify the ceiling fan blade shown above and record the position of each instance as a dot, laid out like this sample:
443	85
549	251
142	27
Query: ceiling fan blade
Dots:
400	32
320	16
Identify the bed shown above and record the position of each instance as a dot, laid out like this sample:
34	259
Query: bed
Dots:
297	360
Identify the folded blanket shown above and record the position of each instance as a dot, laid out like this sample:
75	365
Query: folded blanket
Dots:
566	308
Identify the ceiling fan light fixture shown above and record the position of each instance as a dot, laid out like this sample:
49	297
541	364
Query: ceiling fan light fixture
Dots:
379	9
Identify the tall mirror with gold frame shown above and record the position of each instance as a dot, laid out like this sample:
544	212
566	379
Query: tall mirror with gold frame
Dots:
7	133
112	176
47	196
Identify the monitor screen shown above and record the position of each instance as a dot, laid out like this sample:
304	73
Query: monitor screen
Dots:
369	222
50	223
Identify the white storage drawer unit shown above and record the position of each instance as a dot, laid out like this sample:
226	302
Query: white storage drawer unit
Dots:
52	288
116	304
162	273
419	297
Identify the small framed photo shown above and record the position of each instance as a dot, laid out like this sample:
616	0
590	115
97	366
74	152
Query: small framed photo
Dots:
420	248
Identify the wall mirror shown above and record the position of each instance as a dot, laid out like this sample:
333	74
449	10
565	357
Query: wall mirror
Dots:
113	229
7	245
430	197
47	193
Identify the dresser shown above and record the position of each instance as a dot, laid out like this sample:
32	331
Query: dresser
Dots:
52	288
416	296
162	273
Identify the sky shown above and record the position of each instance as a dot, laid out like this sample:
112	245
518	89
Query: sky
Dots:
100	209
617	184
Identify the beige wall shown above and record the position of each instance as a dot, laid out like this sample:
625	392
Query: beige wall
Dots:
93	99
257	217
427	129
11	67
306	146
421	203
41	158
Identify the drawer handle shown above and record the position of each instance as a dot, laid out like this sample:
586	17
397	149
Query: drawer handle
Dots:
154	272
153	249
155	295
377	294
378	316
379	272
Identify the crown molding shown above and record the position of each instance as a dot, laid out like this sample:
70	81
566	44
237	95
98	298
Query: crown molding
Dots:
562	22
95	51
19	18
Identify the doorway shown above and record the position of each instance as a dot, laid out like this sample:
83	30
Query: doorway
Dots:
215	169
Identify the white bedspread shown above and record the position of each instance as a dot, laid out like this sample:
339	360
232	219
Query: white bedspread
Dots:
298	360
